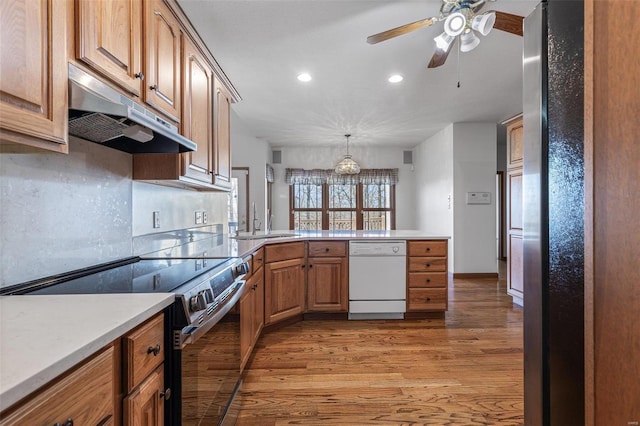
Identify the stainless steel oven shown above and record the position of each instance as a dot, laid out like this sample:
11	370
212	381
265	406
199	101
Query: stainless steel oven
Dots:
206	358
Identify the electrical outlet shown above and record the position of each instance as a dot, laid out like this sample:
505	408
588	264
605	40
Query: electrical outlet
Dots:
205	217
198	218
156	219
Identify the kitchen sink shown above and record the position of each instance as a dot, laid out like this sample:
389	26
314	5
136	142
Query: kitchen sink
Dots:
260	236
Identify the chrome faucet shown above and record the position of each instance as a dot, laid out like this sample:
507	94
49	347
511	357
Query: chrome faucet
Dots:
255	227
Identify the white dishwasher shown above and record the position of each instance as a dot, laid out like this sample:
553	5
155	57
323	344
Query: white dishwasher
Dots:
377	279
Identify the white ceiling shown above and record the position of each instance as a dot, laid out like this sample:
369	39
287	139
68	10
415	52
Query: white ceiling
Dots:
262	45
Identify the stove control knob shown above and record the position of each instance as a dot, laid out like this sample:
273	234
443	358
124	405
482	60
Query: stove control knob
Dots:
193	304
201	301
208	295
242	269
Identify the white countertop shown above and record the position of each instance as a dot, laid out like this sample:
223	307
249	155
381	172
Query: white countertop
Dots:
242	247
43	336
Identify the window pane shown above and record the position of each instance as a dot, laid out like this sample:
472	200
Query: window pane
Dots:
307	196
374	221
376	196
342	196
307	221
342	220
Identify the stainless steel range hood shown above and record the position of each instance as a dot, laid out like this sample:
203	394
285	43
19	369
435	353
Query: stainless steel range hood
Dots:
101	114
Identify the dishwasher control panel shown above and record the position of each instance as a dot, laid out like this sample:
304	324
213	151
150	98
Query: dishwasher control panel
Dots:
377	248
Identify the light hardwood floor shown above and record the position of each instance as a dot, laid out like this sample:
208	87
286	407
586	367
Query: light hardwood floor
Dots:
465	369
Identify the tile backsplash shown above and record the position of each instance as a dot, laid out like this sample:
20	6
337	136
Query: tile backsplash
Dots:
63	212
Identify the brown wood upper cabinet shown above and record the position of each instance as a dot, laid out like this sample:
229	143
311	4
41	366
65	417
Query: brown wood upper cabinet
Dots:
109	40
197	112
162	58
222	141
34	101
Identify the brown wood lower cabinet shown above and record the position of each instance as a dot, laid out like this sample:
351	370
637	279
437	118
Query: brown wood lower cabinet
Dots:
144	372
252	310
85	396
284	289
145	405
427	276
327	277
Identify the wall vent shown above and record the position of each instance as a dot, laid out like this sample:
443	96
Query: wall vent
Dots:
407	157
276	157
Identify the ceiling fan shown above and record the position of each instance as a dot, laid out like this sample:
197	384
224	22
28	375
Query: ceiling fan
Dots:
463	21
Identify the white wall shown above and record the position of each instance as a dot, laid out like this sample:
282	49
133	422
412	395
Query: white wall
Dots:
433	161
327	158
249	151
474	170
459	159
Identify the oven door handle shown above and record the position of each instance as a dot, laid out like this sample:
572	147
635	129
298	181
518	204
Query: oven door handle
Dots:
182	339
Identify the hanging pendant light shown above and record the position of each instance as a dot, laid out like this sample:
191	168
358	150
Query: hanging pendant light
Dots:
347	166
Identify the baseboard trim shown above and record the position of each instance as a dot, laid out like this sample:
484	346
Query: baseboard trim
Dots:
476	275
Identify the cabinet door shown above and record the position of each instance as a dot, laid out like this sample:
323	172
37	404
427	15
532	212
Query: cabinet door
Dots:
85	396
284	290
162	64
258	305
327	284
246	324
109	38
197	112
222	140
515	266
34	101
145	406
515	147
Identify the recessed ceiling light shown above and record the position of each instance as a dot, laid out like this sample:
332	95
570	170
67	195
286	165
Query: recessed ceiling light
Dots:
396	78
304	77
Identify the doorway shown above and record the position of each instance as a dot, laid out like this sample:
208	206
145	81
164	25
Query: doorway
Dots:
239	200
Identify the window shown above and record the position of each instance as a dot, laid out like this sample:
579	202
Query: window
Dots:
321	200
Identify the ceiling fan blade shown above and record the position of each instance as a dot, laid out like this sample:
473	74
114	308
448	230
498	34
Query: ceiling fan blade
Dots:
404	29
440	56
508	23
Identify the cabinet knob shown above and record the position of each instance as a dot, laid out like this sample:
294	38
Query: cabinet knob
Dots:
166	394
310	266
428	299
302	266
428	248
428	265
326	249
428	280
155	350
154	87
139	75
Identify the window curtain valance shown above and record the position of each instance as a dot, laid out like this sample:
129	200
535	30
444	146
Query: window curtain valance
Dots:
320	176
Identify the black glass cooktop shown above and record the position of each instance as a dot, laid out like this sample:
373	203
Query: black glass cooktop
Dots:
133	275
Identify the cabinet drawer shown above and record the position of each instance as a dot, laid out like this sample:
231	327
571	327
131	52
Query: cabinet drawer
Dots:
284	251
327	248
427	299
144	350
427	264
427	248
427	279
86	396
258	259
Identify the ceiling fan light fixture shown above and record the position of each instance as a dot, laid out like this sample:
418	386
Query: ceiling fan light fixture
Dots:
443	41
484	23
455	24
347	166
468	41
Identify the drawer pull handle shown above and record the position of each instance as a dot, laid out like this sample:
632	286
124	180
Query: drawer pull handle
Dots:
166	394
259	259
154	350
